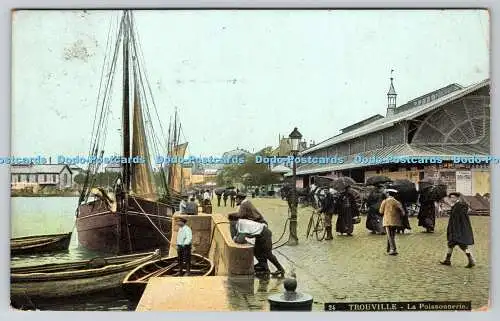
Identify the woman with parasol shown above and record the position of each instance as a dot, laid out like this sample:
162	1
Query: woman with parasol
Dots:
218	193
346	206
373	201
430	192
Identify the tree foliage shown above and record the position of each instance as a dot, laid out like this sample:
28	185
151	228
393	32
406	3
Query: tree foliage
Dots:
248	173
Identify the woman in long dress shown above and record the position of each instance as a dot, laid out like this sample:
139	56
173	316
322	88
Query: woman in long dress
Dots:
373	218
347	208
427	213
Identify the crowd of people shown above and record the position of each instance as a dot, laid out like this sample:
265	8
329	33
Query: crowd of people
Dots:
387	214
226	194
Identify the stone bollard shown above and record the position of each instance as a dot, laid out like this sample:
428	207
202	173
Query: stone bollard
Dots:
290	300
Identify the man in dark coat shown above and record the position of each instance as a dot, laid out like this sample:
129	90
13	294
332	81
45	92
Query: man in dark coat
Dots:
347	208
218	198
232	198
246	211
373	218
263	247
225	196
459	231
427	213
328	207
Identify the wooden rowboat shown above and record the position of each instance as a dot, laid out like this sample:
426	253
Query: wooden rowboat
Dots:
39	244
65	280
135	282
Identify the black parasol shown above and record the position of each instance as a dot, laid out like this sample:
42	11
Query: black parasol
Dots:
378	179
342	182
406	189
219	191
429	182
433	192
323	181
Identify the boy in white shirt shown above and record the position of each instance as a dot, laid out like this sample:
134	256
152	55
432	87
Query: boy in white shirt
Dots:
184	241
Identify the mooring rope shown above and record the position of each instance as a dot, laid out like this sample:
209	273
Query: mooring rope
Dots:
151	221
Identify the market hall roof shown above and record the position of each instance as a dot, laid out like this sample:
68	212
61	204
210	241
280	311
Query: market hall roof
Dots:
445	152
406	114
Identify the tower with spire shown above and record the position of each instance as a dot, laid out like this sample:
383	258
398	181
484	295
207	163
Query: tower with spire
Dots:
391	97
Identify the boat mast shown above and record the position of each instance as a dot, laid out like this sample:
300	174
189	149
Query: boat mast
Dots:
175	142
126	104
173	175
182	167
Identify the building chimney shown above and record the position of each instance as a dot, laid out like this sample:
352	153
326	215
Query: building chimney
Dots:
391	98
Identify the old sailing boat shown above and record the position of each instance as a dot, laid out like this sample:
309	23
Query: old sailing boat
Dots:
175	170
133	217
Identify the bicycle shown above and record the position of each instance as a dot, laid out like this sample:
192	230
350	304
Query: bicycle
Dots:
317	220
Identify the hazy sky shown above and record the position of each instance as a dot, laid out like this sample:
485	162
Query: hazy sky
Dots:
318	70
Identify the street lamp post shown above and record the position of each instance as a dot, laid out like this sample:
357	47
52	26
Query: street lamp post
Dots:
295	137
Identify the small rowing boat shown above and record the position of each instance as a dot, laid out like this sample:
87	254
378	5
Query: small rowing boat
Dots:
135	282
63	280
39	244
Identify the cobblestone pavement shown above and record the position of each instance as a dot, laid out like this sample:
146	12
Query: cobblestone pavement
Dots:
357	268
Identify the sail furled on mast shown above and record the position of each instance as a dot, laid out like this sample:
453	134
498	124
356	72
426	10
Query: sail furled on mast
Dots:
142	176
179	152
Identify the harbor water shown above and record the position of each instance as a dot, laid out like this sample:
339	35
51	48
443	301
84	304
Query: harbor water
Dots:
53	215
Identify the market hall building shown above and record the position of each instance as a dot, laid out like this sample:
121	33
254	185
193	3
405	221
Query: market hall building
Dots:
450	121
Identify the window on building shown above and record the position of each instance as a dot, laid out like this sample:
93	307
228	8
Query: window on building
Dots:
45	177
54	178
27	178
19	178
65	179
36	178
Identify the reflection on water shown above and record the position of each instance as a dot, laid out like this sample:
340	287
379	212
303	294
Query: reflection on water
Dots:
51	215
246	293
47	215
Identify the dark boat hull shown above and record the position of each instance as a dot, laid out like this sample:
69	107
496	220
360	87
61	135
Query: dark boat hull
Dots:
74	279
114	232
40	244
136	280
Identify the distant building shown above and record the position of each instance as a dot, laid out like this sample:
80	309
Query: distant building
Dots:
285	146
208	172
197	179
113	168
40	176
